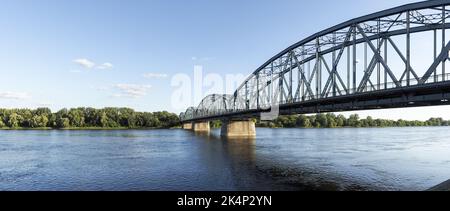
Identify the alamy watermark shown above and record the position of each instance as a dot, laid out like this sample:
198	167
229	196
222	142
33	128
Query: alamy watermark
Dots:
188	90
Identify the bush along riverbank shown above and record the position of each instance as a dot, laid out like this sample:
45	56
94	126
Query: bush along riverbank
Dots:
85	119
338	121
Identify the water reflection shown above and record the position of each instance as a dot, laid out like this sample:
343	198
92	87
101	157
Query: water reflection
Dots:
243	148
202	134
242	164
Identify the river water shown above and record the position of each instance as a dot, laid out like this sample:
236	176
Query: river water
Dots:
178	160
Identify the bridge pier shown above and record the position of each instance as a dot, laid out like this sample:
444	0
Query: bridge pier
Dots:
201	127
187	126
238	129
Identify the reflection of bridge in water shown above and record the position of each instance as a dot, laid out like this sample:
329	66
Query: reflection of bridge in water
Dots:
391	59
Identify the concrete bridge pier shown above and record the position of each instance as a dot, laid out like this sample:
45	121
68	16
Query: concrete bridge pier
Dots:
187	126
238	128
201	126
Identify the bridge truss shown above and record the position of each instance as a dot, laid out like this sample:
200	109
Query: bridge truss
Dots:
393	58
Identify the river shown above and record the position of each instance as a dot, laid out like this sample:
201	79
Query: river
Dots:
178	160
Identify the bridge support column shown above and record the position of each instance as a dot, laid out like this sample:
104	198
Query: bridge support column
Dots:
187	126
238	129
201	126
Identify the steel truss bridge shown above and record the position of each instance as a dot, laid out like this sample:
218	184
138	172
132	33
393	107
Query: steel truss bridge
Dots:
390	59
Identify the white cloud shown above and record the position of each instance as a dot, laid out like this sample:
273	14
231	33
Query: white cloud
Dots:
86	63
155	75
105	66
14	95
132	90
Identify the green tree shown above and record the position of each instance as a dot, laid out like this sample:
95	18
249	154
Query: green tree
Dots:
216	124
92	117
321	120
76	117
167	119
39	121
26	116
43	111
14	120
371	122
63	122
353	121
340	121
126	117
104	120
332	123
2	124
151	121
301	121
52	121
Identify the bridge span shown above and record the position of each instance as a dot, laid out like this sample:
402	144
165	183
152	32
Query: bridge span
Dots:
390	59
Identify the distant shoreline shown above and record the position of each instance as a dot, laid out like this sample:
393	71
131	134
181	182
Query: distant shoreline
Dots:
173	128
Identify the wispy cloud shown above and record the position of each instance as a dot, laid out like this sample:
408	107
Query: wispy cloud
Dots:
132	90
86	63
105	66
89	64
14	95
155	75
201	59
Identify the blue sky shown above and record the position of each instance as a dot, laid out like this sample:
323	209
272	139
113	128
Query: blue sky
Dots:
71	53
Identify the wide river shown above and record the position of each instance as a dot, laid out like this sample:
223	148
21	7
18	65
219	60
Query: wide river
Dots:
278	159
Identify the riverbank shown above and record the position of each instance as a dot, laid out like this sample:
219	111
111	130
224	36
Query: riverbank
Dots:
445	186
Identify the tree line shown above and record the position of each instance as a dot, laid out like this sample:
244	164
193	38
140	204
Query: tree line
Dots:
337	121
86	118
128	118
